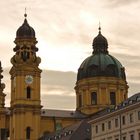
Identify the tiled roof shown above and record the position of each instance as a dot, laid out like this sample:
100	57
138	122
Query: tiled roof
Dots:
62	113
131	100
78	131
57	113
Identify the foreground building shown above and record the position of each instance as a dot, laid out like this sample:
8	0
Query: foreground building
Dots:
101	83
119	123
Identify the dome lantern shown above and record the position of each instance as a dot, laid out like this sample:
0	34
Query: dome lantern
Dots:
100	44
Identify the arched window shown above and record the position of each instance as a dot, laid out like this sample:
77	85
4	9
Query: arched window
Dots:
25	55
112	98
28	92
28	133
94	98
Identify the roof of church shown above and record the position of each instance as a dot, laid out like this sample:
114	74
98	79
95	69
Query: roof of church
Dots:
62	113
100	63
78	131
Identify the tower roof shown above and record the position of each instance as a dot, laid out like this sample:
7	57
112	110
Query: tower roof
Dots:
25	30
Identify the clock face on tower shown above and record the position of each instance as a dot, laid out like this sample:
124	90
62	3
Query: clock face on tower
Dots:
29	79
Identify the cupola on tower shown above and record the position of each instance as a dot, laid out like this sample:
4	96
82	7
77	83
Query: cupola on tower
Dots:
25	86
101	80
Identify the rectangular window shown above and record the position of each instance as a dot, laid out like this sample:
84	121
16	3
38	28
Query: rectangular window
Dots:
103	126
132	137
96	128
116	122
112	98
131	117
139	115
123	120
94	98
109	125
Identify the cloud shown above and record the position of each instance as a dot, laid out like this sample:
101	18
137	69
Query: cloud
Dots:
57	80
58	101
58	77
118	3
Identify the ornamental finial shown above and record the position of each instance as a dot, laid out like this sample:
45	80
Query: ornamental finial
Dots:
99	27
25	15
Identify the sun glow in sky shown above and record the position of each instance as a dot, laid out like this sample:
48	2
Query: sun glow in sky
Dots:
65	30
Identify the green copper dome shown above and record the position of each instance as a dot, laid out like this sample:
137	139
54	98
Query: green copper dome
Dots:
100	63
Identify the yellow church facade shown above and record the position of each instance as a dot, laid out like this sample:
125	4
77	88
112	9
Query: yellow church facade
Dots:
101	82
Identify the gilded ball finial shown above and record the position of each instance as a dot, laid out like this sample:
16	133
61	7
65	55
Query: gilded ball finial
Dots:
25	15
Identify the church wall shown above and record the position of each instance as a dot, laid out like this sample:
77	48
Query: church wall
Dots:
103	86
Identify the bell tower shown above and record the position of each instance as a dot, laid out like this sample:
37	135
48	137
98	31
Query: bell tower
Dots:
25	86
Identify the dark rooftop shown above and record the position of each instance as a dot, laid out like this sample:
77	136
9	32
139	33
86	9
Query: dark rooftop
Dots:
78	131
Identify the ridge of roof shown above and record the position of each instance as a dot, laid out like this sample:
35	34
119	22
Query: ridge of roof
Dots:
62	113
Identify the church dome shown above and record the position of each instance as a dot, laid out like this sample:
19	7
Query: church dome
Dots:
25	31
100	63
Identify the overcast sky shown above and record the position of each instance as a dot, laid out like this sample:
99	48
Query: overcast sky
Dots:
65	30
